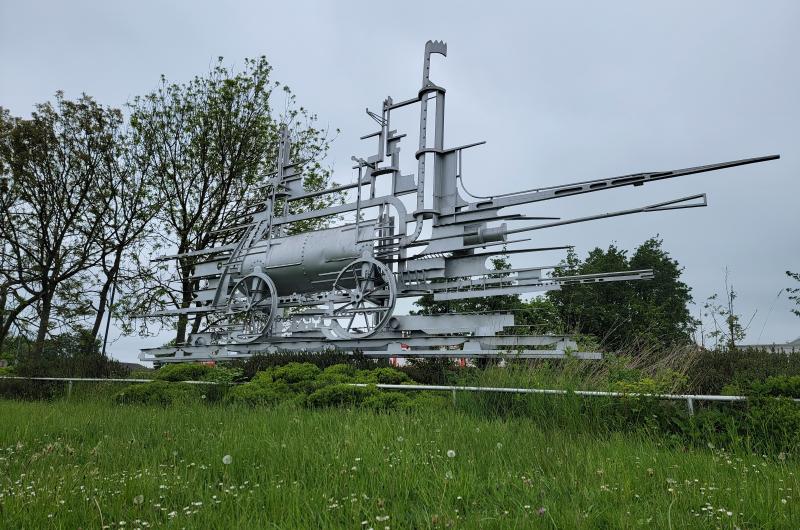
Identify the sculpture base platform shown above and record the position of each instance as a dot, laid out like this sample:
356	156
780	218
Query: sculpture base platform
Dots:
452	335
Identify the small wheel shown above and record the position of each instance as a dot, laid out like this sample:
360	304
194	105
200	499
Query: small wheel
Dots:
252	306
364	294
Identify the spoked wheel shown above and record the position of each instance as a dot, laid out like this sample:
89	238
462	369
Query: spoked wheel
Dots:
252	306
364	296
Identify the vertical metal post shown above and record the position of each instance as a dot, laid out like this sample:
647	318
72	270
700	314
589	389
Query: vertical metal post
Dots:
69	389
690	405
454	397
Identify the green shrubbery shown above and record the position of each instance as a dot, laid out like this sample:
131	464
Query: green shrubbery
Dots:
158	393
308	385
339	395
183	372
255	393
778	386
710	371
768	422
75	354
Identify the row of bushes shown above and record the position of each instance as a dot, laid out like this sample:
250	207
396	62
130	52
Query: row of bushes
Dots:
304	384
768	422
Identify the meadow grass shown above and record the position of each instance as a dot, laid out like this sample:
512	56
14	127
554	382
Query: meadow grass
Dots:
92	464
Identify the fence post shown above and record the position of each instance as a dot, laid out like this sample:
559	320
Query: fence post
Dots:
690	405
454	397
69	388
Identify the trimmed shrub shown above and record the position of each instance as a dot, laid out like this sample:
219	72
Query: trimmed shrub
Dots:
296	373
223	374
259	393
183	372
260	363
384	376
158	393
340	395
386	401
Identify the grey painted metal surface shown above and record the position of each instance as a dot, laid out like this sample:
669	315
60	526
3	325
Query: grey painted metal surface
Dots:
336	288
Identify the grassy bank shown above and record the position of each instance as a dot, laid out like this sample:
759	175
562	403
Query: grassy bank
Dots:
92	464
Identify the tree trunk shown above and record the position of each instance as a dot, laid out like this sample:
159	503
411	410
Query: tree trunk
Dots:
11	316
111	278
3	317
44	323
186	301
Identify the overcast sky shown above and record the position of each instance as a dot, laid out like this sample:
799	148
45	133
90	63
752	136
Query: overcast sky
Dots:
561	91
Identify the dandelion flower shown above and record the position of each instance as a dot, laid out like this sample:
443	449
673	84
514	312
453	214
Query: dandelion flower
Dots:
227	459
382	518
139	499
451	453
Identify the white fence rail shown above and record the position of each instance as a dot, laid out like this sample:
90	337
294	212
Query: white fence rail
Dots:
688	398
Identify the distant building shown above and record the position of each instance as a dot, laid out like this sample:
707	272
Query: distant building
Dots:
135	367
789	347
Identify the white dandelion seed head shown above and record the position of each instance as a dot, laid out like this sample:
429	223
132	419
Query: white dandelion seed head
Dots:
139	499
227	459
451	453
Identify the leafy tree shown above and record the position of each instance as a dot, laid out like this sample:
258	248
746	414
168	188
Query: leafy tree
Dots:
128	228
648	313
212	142
728	328
794	291
53	212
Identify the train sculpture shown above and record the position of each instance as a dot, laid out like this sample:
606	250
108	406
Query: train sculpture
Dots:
335	288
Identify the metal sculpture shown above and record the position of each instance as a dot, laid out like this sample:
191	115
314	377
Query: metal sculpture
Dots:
336	287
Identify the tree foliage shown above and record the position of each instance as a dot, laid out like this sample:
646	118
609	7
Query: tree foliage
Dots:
794	292
54	212
213	141
86	198
727	327
652	313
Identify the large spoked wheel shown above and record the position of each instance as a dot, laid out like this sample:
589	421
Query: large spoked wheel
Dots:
252	306
364	296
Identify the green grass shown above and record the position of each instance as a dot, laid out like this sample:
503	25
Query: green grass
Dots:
90	464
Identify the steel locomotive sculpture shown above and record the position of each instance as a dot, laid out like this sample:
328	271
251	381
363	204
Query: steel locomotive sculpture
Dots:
336	287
